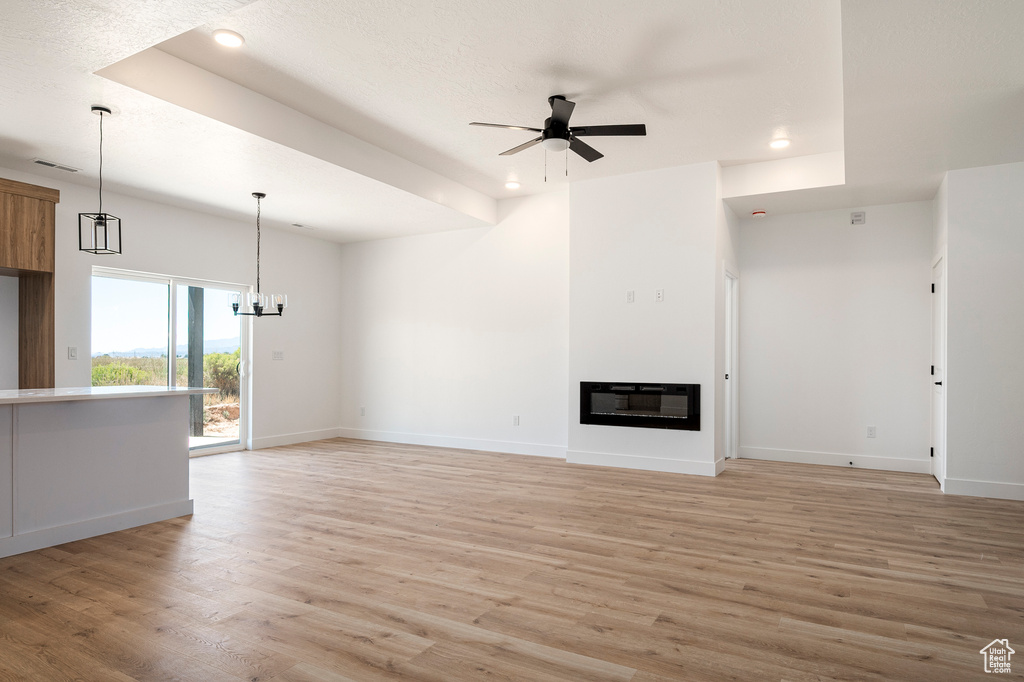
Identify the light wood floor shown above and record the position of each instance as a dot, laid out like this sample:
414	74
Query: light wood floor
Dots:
345	560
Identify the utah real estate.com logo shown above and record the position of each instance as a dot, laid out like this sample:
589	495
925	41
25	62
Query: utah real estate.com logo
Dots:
997	656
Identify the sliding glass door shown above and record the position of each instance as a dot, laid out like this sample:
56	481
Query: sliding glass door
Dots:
209	354
159	330
130	331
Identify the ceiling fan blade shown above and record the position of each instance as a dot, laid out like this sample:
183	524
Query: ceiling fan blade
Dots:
499	125
584	150
525	145
629	129
561	110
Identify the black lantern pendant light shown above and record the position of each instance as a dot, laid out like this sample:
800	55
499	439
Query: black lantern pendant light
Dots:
258	304
99	232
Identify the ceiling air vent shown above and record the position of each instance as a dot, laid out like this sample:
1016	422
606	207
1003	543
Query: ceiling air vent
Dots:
58	166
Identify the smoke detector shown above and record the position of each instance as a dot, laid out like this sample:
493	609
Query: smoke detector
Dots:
758	214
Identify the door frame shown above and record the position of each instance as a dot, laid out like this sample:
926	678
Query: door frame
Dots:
939	393
245	339
732	352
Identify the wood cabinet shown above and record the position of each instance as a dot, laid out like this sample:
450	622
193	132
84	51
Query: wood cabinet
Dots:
27	252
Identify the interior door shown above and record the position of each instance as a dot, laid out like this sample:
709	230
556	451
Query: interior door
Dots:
938	376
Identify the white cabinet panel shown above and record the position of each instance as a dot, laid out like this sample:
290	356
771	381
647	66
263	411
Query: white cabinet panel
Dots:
90	459
6	478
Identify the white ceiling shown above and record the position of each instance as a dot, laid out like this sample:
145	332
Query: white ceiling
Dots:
907	89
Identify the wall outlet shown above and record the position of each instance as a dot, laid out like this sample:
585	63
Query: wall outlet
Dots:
871	432
630	296
362	411
659	296
515	420
277	355
858	218
72	353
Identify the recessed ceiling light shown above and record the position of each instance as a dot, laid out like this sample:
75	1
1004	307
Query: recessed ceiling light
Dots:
780	143
228	38
511	184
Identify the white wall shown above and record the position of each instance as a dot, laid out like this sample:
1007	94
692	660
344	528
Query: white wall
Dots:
297	399
8	332
447	336
294	400
643	232
835	336
985	351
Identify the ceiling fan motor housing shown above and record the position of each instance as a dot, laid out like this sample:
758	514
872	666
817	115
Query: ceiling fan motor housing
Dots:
555	129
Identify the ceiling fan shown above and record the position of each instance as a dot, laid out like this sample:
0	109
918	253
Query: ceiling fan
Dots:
557	135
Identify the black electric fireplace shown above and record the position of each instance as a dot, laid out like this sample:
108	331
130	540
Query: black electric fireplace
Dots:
651	406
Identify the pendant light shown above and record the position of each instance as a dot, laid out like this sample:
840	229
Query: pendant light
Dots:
99	232
257	303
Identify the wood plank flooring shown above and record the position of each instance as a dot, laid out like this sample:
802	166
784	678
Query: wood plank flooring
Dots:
346	560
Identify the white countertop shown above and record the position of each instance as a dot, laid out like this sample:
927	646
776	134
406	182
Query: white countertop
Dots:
53	395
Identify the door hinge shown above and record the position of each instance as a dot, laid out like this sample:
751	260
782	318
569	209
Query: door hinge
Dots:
933	370
933	287
932	452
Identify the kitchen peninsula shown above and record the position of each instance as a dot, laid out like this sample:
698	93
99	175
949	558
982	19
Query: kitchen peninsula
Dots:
81	462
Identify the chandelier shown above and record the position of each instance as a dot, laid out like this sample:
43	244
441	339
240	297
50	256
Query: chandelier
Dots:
256	303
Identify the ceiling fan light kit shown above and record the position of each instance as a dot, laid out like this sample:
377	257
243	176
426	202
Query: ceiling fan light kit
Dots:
557	135
555	144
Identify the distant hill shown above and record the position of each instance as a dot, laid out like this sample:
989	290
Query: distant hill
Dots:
212	346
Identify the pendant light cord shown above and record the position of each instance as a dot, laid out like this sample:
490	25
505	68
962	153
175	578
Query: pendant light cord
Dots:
101	163
257	245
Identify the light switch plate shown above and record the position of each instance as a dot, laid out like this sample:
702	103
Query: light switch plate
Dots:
72	353
278	355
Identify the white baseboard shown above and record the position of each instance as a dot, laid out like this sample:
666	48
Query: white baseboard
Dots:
914	466
511	447
675	466
293	438
1002	491
48	537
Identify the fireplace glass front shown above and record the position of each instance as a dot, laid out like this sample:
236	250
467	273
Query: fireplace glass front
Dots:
655	406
